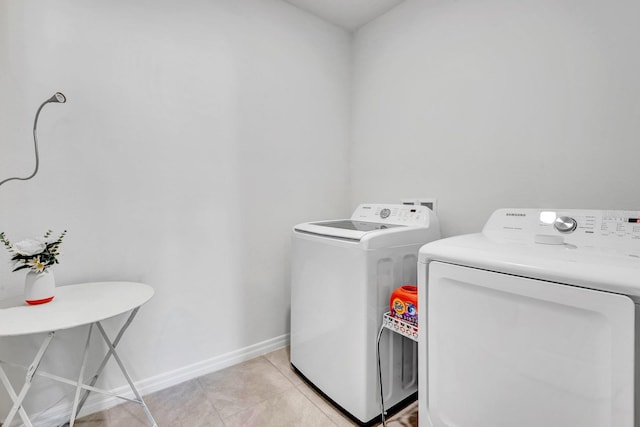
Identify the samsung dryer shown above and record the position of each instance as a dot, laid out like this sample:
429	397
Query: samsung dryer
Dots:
342	274
532	322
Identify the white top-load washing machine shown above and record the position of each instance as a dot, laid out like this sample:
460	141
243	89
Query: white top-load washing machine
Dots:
342	275
532	322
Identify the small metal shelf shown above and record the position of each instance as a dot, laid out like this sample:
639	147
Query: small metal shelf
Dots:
399	326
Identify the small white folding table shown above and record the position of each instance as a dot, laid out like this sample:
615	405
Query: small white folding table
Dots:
74	306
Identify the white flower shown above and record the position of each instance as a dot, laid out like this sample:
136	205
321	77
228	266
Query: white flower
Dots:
29	247
36	265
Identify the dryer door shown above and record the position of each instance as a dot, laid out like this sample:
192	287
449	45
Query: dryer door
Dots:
507	351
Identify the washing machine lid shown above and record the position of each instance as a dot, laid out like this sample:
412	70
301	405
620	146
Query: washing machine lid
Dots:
372	220
343	228
602	251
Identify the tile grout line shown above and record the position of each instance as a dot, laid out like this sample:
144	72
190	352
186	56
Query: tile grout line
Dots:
204	393
256	404
314	404
297	388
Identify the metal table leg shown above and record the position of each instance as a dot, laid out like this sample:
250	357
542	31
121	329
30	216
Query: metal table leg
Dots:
78	402
126	375
31	371
74	408
106	358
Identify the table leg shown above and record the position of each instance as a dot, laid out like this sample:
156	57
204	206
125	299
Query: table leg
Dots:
106	358
12	393
17	399
74	410
126	375
112	352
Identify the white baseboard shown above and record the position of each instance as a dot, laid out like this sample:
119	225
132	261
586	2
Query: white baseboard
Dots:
59	414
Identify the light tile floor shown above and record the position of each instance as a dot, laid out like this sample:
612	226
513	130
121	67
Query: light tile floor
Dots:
264	392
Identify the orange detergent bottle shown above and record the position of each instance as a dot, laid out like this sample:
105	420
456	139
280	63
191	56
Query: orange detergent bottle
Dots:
403	303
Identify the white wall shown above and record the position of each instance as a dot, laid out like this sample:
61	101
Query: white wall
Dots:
196	134
496	103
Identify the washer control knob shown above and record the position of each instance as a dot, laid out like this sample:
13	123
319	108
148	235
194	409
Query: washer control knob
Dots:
384	213
565	224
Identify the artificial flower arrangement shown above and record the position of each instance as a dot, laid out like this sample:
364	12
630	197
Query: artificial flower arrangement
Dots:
35	254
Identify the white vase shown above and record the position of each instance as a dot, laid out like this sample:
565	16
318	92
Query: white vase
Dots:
39	288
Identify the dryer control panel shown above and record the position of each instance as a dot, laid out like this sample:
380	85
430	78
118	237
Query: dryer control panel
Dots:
409	215
605	229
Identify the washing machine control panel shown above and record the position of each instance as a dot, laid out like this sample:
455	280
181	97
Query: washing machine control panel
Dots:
591	228
409	215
